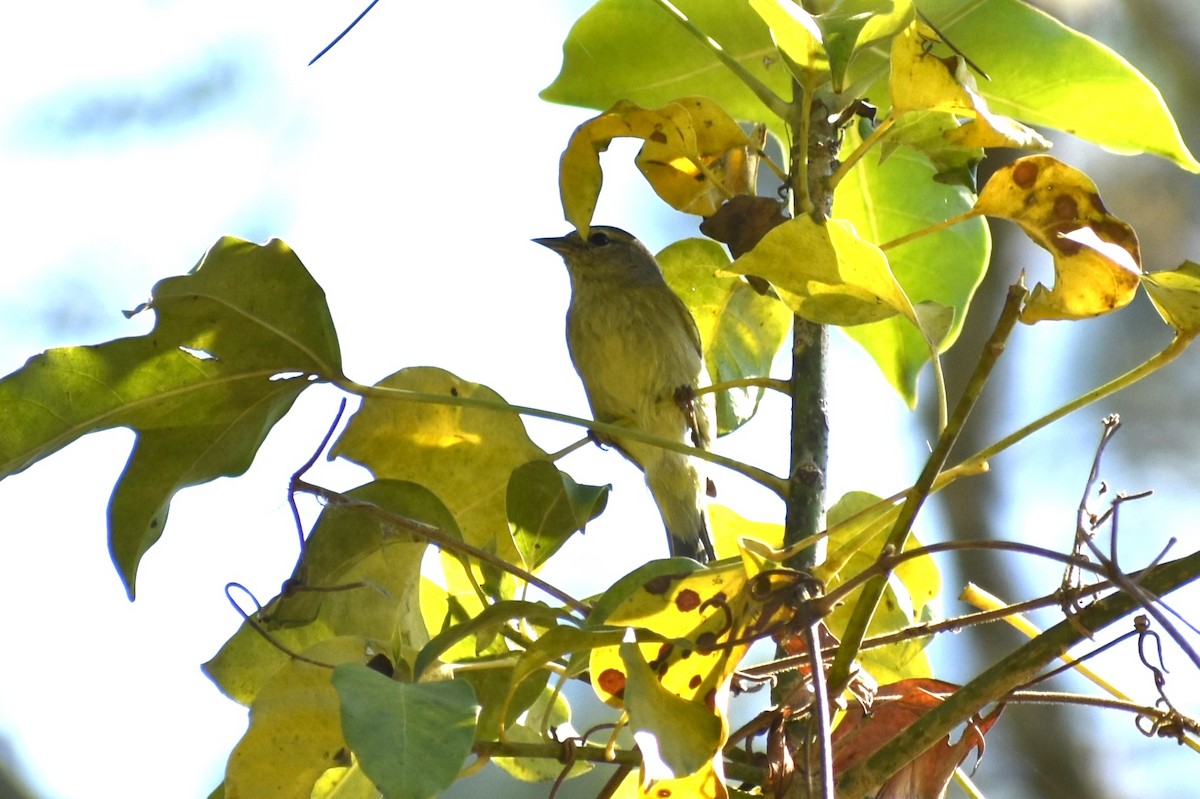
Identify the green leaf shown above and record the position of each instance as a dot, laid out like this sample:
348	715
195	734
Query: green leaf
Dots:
295	731
499	706
849	25
1044	73
636	50
368	575
677	737
231	349
945	268
545	507
464	455
411	739
740	329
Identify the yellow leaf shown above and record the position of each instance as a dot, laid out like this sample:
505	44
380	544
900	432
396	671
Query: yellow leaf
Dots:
728	528
295	731
464	455
826	273
1097	262
921	81
693	156
1176	296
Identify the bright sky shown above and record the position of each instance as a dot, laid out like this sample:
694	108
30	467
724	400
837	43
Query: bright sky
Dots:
408	169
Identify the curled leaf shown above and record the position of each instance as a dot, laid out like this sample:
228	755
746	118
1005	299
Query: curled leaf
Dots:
694	156
1097	262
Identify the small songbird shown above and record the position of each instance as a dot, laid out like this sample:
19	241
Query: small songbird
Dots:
637	350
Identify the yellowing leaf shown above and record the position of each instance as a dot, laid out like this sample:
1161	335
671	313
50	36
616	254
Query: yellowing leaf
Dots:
1176	296
464	455
728	528
1059	207
859	525
826	273
688	146
797	36
709	615
295	731
921	81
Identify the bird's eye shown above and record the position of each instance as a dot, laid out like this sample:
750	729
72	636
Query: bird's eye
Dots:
599	239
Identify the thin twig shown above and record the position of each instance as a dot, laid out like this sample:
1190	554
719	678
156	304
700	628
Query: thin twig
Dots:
349	27
761	476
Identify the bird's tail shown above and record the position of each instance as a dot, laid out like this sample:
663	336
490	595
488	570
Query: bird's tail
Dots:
677	490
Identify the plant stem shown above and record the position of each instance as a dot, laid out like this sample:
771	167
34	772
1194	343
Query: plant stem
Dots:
862	149
856	627
760	476
929	231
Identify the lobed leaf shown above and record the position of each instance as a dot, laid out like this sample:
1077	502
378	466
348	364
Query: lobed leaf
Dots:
234	343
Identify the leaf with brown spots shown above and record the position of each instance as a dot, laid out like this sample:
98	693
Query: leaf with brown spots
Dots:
695	156
1097	262
695	625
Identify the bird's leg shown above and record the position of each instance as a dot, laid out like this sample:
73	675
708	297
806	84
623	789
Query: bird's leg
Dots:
685	398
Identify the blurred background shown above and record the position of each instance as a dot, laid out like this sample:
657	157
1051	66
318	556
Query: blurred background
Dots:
409	168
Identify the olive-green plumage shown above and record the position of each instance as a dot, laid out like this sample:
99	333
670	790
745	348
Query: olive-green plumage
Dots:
636	348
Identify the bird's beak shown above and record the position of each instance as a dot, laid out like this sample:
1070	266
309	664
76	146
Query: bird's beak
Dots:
561	245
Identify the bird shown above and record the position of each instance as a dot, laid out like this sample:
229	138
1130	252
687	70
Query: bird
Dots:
638	353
